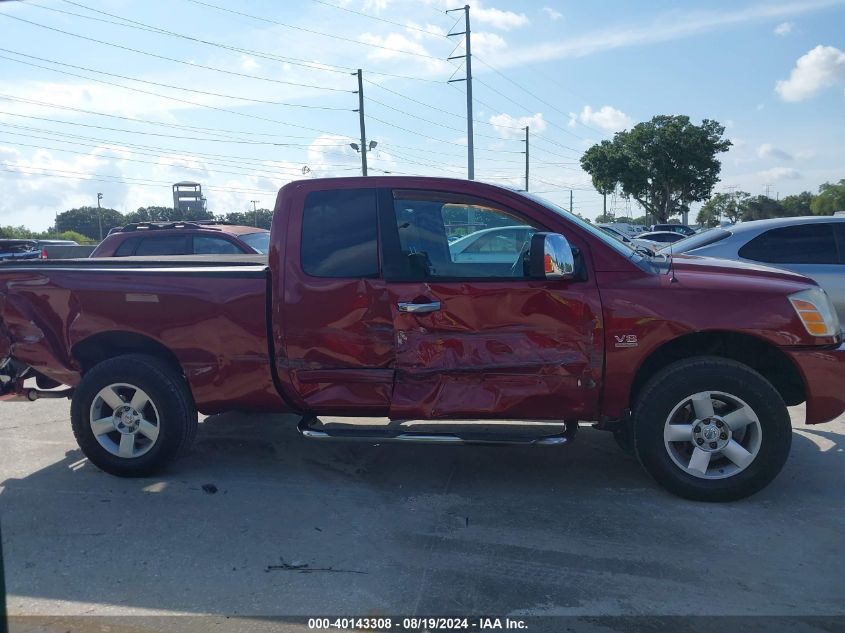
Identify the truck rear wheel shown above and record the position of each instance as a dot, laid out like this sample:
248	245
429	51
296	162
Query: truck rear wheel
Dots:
132	415
711	429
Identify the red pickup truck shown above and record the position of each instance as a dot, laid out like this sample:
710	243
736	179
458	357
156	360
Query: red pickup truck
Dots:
366	307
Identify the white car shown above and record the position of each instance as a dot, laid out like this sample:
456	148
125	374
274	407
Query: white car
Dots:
497	245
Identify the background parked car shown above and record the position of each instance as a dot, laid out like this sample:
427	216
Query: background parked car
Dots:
18	249
183	238
496	245
813	246
28	248
659	237
683	229
613	231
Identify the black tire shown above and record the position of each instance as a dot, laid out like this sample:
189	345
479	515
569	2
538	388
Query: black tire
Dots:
173	407
679	381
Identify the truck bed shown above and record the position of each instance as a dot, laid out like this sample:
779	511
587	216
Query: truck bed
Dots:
209	313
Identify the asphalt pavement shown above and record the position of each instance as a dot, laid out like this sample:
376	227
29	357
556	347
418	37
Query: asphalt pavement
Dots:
259	521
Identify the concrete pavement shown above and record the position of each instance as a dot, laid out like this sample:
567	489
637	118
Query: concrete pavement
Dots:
401	529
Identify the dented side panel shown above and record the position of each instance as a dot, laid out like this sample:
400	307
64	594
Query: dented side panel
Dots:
523	349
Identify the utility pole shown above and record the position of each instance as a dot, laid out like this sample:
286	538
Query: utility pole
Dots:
468	79
768	190
604	205
361	123
255	211
571	210
100	215
526	158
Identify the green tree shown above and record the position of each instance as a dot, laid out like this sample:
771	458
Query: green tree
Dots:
86	220
16	232
831	199
261	218
762	208
798	204
663	164
722	206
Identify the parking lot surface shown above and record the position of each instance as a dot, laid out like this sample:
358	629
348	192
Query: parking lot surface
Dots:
259	521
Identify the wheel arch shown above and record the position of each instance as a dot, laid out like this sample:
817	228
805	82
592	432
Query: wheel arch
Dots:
757	353
104	345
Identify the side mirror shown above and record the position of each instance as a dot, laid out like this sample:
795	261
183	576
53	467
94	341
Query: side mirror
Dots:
551	257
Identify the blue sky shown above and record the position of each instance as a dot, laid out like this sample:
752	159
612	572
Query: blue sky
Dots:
281	101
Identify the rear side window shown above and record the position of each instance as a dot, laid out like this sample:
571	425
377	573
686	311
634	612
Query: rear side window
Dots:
340	234
162	245
204	245
127	247
802	244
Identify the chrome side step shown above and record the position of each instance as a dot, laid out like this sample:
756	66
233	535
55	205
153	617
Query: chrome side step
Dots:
309	427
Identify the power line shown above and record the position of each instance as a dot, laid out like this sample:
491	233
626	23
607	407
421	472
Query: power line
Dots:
159	84
312	31
291	170
164	57
58	173
380	19
187	138
133	24
193	128
193	103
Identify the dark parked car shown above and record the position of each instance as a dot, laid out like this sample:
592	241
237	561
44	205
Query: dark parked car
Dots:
683	229
183	238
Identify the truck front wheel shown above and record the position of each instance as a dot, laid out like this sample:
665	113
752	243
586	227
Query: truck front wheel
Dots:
132	415
711	429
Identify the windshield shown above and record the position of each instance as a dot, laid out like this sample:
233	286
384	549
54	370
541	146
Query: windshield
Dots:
711	236
628	249
259	241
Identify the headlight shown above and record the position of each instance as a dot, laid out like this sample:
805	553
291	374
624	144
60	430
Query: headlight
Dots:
816	312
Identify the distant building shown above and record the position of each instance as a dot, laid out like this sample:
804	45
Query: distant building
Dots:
187	197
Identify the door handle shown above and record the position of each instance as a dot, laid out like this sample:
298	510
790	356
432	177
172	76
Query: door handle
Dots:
418	308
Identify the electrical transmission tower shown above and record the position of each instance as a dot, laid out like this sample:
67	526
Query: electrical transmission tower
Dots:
468	79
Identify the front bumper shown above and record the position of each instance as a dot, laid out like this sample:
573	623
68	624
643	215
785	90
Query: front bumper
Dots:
823	371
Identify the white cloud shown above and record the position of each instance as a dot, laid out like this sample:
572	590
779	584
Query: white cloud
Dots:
784	28
420	31
607	118
487	44
767	150
249	63
553	14
779	173
395	41
504	20
512	127
822	67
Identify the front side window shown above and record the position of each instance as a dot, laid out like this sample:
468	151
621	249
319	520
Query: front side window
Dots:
802	244
259	241
340	233
458	238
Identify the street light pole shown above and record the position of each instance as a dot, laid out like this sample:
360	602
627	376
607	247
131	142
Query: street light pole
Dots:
100	215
